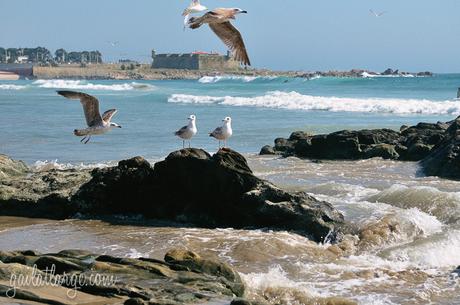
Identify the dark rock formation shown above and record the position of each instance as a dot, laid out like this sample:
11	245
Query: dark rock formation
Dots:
182	278
444	158
410	144
189	186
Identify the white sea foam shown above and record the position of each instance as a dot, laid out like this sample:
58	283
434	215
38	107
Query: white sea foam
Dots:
80	84
246	79
11	87
46	165
368	75
297	101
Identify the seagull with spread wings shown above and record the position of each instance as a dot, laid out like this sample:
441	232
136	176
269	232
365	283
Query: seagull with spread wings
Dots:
219	22
97	124
193	8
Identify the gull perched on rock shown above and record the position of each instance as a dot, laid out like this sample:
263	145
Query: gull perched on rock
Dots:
219	22
193	8
224	132
187	132
97	124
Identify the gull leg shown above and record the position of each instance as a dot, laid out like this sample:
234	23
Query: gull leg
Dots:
189	144
89	138
83	139
183	144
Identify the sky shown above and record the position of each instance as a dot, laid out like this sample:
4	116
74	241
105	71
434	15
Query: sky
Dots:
413	35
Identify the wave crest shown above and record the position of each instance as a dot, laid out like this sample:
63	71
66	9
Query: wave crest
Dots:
246	79
79	84
296	101
11	87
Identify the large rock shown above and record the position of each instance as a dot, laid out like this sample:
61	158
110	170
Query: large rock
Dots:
189	186
11	168
444	159
182	278
411	143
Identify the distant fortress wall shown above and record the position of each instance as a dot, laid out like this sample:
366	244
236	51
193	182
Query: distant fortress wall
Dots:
194	61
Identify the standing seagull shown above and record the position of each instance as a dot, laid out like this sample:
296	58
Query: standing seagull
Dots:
219	22
193	8
187	132
97	124
224	132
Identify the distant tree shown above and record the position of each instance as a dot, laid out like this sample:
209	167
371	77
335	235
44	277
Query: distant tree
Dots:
95	57
131	67
123	67
2	55
61	56
74	57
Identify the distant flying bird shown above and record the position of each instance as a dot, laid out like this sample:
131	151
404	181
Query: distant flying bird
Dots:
219	22
187	132
97	124
377	14
194	7
113	43
224	132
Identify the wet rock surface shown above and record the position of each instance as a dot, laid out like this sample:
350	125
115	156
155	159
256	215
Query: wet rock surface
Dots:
189	186
182	278
436	146
410	144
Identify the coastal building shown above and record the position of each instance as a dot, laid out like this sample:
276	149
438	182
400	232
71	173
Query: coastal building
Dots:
194	61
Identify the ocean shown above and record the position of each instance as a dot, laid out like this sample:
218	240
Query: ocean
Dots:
410	264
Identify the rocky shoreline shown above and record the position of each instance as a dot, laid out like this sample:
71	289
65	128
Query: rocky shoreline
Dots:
189	186
145	72
435	145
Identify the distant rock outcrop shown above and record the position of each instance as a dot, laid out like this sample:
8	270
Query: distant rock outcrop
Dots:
437	146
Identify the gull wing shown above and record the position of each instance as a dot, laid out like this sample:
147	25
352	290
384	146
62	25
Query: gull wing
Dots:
90	106
108	115
232	38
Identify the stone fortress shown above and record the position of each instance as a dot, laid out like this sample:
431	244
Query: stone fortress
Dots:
195	61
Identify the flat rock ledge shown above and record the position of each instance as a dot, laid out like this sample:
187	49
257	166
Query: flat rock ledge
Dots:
190	186
435	145
182	278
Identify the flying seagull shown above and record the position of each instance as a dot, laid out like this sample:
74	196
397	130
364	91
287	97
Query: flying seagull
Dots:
377	14
224	132
97	124
219	22
194	7
187	132
113	43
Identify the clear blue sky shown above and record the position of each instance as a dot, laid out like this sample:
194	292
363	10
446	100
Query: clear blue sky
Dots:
413	35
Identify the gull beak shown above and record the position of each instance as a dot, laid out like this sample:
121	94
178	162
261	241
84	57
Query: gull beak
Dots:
244	12
119	126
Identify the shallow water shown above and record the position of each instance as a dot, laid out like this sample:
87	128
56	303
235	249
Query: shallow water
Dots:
406	251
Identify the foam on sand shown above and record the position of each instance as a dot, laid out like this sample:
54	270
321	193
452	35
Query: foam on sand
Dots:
296	101
83	85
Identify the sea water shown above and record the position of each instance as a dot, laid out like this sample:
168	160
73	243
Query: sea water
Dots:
408	241
37	124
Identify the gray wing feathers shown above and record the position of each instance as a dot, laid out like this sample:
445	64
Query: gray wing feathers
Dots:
90	106
232	38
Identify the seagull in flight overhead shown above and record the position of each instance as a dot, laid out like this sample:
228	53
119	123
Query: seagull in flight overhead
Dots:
378	15
194	7
187	132
224	132
97	124
113	43
219	22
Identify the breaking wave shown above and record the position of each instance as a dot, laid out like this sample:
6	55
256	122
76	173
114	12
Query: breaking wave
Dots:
80	84
246	79
296	101
11	87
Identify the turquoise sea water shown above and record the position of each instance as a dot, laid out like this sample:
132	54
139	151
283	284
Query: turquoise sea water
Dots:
37	124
